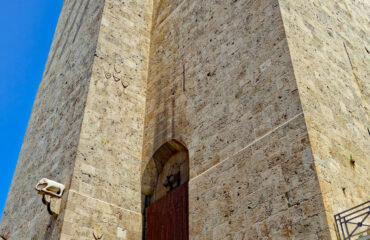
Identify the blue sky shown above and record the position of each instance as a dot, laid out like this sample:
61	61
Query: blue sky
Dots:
27	29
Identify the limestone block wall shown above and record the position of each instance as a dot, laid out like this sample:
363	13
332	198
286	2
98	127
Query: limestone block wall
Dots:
221	81
270	97
329	45
266	191
105	194
50	145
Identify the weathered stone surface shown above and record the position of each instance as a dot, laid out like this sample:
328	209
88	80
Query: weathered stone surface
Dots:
268	190
225	86
329	42
107	168
232	83
270	98
50	144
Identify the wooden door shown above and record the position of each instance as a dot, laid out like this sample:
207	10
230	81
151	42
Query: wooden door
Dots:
167	218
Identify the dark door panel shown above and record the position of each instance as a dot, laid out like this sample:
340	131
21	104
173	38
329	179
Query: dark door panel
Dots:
167	218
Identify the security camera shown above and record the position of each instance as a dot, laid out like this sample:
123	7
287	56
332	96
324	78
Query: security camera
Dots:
51	192
50	187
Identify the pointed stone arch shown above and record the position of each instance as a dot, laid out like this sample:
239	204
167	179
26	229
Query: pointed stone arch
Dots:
167	170
160	164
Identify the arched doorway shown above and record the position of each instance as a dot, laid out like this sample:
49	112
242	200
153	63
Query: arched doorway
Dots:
165	193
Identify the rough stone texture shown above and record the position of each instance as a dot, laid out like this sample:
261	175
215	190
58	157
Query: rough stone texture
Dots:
268	190
227	79
107	170
325	39
238	82
225	87
50	144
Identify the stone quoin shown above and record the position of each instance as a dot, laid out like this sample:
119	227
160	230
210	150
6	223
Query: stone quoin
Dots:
253	114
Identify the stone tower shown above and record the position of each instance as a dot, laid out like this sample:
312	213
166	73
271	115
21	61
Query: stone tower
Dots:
268	100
